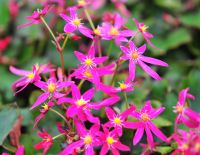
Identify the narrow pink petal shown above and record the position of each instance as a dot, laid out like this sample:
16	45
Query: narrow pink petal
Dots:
28	24
38	118
40	100
190	123
69	28
82	131
127	112
149	136
153	61
65	17
76	92
89	150
149	71
58	95
71	147
135	114
157	112
100	60
20	150
64	84
79	56
131	70
132	45
109	69
115	151
157	132
119	21
124	57
19	71
142	49
183	95
73	13
133	125
91	51
41	84
88	95
191	114
85	31
66	100
149	35
138	135
149	42
104	149
127	33
110	113
91	118
136	22
71	111
121	146
124	49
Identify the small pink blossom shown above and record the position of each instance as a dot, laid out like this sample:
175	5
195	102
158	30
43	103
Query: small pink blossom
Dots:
74	23
45	143
135	56
4	43
144	116
126	86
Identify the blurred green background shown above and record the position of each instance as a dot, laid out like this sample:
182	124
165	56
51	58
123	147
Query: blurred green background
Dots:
176	28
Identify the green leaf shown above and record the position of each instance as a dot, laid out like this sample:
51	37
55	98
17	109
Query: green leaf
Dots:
4	14
191	19
8	117
163	149
161	122
169	4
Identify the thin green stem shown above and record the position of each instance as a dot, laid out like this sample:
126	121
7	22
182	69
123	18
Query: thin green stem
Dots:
8	148
126	100
80	84
65	42
89	18
109	48
133	37
57	136
62	62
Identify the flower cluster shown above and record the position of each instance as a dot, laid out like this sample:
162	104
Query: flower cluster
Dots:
80	107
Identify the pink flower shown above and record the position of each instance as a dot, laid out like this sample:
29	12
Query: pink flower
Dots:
88	139
74	23
4	43
51	90
126	86
43	112
113	31
35	17
118	121
45	143
28	76
143	29
135	56
145	115
13	8
185	115
111	142
81	105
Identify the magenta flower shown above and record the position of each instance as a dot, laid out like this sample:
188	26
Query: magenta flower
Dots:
28	76
145	115
35	17
143	29
135	56
74	23
126	86
51	90
111	142
185	115
118	121
4	43
43	112
45	143
88	139
81	105
113	31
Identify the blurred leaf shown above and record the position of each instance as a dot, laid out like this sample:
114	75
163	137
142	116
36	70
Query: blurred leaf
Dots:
8	116
161	122
163	149
27	116
191	19
169	4
4	14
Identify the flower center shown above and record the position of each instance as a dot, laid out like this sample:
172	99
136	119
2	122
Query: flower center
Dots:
185	146
134	55
76	22
81	3
110	140
88	139
122	85
30	75
197	146
45	107
51	87
143	28
81	102
145	117
48	139
97	31
179	108
88	74
114	31
117	120
88	62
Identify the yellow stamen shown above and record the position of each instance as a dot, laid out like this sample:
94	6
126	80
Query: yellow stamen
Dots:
145	117
117	120
76	22
45	107
179	108
97	31
114	31
144	28
134	55
185	146
122	85
81	102
88	139
110	140
88	74
51	87
197	146
88	62
30	75
82	2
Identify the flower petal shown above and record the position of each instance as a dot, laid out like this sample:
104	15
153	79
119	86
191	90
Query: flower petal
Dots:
121	146
79	56
138	135
153	61
85	31
40	100
69	28
104	149
76	92
19	71
131	70
110	113
88	95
